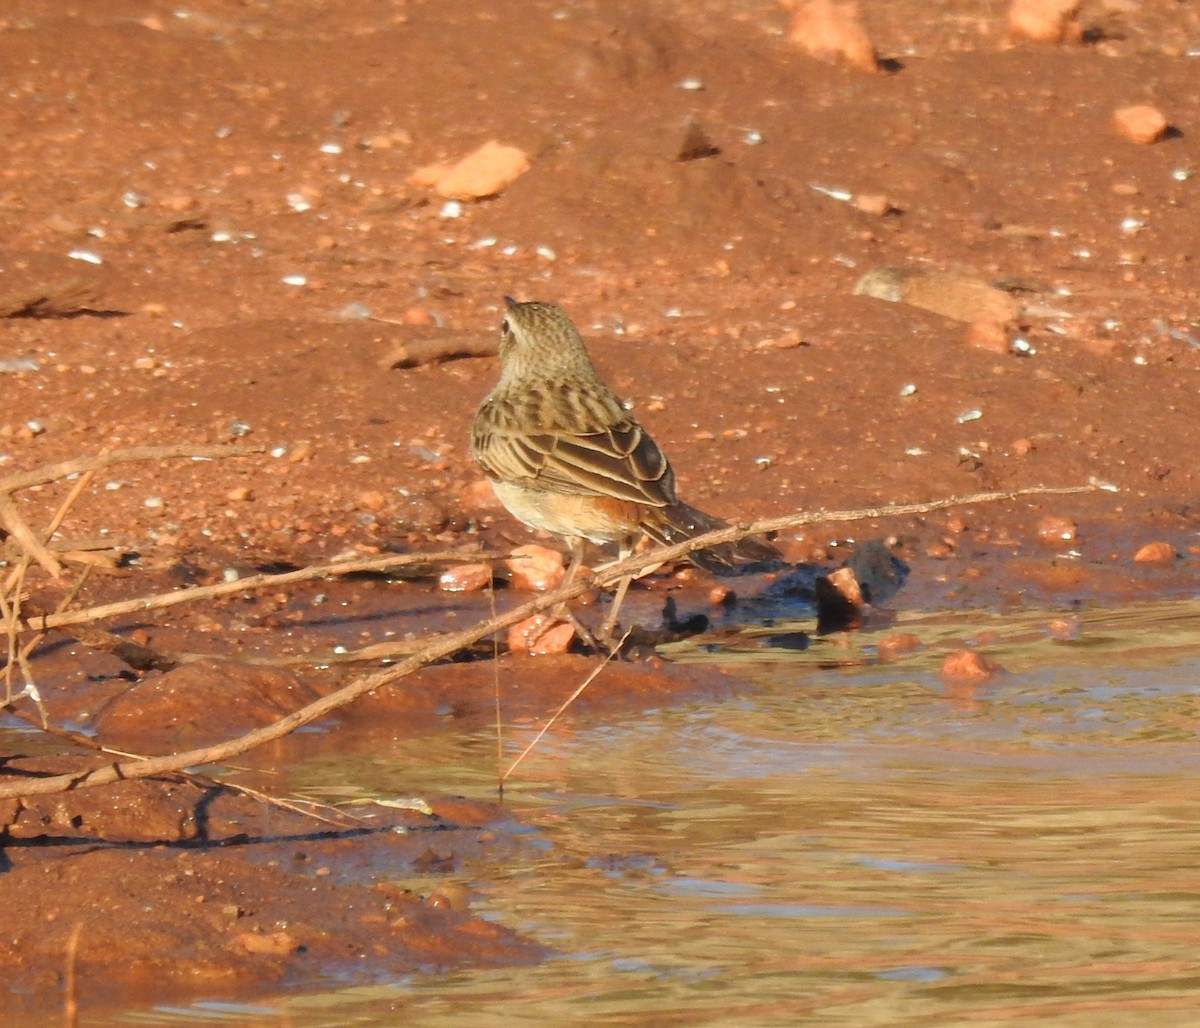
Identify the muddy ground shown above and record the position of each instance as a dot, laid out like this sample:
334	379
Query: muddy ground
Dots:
208	235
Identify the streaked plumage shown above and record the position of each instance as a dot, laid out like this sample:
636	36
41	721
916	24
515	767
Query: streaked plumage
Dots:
566	457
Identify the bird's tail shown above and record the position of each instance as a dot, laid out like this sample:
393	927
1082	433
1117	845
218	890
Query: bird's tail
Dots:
670	525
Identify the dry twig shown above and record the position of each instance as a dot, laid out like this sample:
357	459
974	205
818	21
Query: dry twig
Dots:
161	601
413	353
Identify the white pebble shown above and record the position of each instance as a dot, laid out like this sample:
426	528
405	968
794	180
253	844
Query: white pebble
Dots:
295	280
86	255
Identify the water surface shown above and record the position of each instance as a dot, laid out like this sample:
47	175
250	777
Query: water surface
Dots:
840	841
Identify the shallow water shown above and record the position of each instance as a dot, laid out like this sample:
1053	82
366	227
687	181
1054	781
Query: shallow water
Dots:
841	842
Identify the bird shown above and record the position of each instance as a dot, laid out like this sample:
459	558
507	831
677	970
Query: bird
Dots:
565	456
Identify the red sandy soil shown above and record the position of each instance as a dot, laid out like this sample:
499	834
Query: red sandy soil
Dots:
207	154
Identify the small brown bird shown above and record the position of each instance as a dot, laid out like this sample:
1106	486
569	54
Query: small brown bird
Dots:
565	456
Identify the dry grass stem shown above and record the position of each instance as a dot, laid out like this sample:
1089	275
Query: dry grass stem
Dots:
565	704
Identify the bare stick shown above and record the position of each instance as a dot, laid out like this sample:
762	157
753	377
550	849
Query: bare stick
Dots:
161	601
414	352
450	643
24	536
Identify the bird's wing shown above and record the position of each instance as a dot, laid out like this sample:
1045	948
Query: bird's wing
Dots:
615	459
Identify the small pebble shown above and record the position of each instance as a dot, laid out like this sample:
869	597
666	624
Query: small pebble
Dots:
540	635
1045	21
372	500
1140	123
465	578
1064	629
833	32
1022	447
486	171
1155	553
986	335
1054	530
535	567
968	665
892	646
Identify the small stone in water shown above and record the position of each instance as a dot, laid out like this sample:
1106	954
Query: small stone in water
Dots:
465	578
1155	553
535	567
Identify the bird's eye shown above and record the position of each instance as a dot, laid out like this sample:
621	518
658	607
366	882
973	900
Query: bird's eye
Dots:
504	327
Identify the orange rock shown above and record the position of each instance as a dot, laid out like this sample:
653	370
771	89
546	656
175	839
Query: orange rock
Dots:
1065	629
464	578
429	175
478	495
1155	553
1022	447
371	499
483	172
721	595
892	646
846	584
874	203
1054	530
275	944
1141	123
833	32
986	335
1045	21
536	567
417	316
969	665
540	635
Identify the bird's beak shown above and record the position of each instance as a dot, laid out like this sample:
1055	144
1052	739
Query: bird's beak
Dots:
511	302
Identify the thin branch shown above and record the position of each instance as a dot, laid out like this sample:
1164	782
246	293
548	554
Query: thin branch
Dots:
25	538
161	601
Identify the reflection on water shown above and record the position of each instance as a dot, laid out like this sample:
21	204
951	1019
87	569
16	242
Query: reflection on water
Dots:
849	843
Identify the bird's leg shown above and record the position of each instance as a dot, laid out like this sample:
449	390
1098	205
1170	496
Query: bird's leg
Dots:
562	611
608	628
